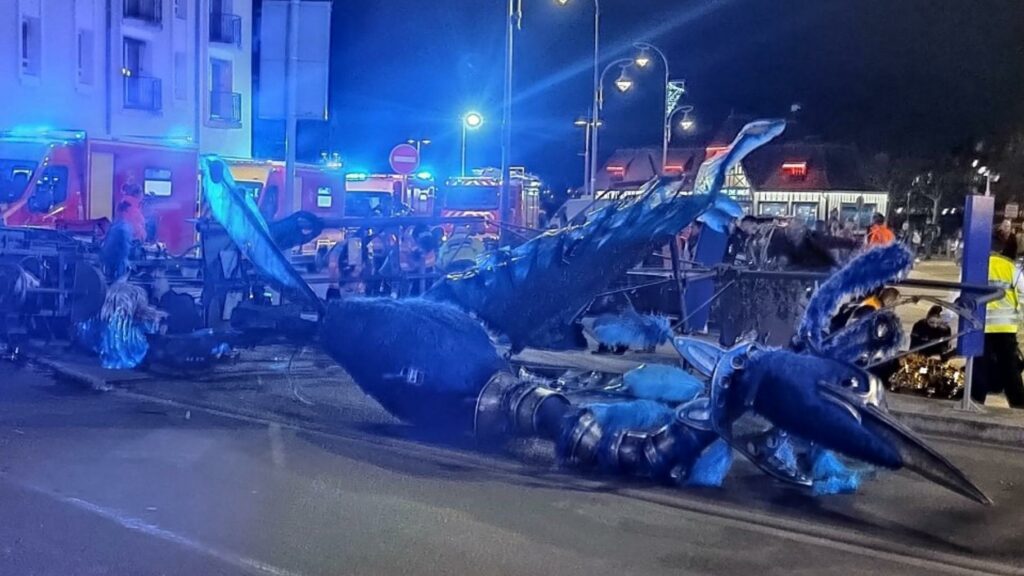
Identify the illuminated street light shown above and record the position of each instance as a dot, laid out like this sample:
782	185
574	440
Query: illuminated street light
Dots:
470	121
687	122
473	120
643	59
674	90
419	143
624	82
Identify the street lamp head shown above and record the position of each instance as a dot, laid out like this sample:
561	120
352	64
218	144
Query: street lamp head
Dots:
643	58
473	120
425	142
581	122
562	2
687	123
624	82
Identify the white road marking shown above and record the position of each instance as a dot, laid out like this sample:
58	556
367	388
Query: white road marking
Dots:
143	527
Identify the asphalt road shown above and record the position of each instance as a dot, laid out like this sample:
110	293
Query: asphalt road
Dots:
116	484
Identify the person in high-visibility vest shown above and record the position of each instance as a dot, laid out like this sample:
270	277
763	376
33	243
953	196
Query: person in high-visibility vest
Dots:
999	369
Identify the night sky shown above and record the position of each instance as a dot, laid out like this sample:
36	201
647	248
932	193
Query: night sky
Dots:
905	76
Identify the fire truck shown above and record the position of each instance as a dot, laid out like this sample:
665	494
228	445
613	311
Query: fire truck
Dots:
56	179
478	195
67	180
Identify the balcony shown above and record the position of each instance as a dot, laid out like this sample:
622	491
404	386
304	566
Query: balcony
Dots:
225	28
143	93
226	107
144	10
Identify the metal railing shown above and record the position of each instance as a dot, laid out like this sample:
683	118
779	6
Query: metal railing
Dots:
226	106
146	10
225	28
143	93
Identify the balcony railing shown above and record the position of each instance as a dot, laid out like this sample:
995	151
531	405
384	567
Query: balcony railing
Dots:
143	93
225	28
146	10
226	107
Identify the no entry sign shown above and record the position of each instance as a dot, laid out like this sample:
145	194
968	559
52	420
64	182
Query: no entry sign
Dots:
405	159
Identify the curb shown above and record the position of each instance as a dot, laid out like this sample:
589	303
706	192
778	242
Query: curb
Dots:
953	425
945	423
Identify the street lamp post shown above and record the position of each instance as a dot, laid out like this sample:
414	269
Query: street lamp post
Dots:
623	83
419	143
470	121
588	125
674	90
592	161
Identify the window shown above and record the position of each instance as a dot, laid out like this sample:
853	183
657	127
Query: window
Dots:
85	57
806	211
324	197
141	92
51	189
471	198
157	182
15	176
774	209
31	46
225	103
133	53
145	10
181	9
180	76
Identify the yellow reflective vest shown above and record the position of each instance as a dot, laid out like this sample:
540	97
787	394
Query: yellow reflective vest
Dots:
1002	316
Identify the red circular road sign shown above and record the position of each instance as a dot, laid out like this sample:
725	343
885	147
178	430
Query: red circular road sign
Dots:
405	159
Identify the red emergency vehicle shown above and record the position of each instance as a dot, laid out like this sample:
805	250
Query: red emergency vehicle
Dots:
478	195
54	178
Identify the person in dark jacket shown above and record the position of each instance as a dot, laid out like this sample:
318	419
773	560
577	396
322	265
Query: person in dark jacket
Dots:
933	328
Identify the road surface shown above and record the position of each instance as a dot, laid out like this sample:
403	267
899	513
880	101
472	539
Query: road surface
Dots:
118	484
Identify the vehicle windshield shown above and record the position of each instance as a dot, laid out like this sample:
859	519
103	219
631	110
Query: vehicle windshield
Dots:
365	204
15	176
471	198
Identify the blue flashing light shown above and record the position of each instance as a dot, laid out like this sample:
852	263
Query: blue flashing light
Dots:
356	176
39	132
424	175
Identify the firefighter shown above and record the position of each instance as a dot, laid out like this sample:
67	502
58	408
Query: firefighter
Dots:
999	369
462	248
879	234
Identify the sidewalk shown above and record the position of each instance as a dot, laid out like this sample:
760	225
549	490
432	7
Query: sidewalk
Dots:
261	385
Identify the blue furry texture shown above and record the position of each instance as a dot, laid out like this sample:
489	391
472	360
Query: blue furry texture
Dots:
533	293
120	346
637	415
424	361
858	339
830	475
662	383
636	331
790	394
710	469
860	276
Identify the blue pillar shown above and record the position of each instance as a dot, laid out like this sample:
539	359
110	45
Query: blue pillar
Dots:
710	251
978	214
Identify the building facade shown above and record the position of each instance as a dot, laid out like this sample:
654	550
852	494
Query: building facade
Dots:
175	71
795	177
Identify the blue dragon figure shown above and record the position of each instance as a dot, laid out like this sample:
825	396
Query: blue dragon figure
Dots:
533	294
791	411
